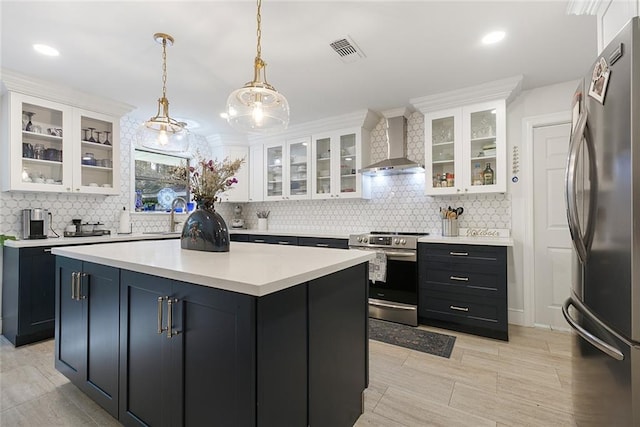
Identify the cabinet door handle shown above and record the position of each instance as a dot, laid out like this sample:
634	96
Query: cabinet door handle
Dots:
170	332
74	279
453	307
79	292
322	245
461	279
160	328
459	253
283	243
258	241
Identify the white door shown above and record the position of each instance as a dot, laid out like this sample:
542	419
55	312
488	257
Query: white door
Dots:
552	241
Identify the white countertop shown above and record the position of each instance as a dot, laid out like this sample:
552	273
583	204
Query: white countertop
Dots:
65	241
248	268
467	240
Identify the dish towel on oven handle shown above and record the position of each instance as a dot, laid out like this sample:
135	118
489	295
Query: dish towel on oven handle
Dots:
378	267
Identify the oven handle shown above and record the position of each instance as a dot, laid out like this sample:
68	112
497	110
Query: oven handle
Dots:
397	255
387	305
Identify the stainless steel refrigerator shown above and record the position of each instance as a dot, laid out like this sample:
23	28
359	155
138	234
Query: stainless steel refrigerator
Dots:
603	210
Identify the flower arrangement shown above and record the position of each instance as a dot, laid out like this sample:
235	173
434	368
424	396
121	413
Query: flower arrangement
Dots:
208	178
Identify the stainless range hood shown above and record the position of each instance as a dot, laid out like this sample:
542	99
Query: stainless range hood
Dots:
396	162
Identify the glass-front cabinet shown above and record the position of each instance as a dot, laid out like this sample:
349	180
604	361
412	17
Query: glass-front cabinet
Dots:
465	149
48	149
287	170
337	160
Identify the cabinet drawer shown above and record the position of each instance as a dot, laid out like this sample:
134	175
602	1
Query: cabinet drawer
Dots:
467	254
483	312
323	242
239	237
465	282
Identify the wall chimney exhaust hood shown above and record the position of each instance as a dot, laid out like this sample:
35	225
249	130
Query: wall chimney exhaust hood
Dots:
396	162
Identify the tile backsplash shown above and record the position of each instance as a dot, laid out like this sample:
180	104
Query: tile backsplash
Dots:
397	203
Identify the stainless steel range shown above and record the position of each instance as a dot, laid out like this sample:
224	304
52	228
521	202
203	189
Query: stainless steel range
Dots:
393	275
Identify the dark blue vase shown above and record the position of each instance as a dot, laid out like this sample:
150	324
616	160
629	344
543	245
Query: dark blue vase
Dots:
205	230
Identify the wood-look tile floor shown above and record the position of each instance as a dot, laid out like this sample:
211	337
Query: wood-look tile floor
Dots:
523	382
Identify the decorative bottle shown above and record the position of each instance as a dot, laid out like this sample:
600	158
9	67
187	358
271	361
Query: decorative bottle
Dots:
488	175
478	177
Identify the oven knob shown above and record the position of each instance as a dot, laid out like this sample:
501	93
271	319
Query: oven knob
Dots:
365	240
403	241
359	239
396	241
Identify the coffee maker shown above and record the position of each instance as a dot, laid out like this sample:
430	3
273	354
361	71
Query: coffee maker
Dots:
35	223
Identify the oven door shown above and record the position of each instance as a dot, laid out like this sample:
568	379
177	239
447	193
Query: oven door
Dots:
396	299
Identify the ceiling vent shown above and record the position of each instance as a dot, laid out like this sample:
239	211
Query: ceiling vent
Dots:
347	50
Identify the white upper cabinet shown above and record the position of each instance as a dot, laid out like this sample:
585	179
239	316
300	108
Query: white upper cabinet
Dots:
337	160
465	143
465	149
52	144
287	169
256	173
54	147
239	193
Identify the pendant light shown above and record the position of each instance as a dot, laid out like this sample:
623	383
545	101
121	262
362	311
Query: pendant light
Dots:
161	132
258	107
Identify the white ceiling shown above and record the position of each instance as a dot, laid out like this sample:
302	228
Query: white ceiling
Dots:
412	49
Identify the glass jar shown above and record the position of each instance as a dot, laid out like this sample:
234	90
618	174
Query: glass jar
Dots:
88	159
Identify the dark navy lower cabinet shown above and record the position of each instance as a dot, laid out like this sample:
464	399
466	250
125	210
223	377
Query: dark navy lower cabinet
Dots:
464	288
28	289
87	328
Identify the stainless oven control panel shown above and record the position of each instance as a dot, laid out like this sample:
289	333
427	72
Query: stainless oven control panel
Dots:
383	241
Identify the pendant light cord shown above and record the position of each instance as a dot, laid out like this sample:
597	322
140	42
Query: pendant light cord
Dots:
164	68
259	30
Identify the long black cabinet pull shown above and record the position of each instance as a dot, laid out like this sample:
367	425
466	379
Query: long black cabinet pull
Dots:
454	307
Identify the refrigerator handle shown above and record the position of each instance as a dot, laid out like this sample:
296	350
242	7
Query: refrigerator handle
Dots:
606	348
570	187
593	188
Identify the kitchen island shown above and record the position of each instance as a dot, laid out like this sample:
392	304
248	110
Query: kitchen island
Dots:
263	335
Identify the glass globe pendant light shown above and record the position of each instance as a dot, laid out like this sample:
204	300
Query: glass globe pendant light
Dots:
161	132
258	107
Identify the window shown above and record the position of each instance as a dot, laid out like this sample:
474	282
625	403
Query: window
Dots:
154	186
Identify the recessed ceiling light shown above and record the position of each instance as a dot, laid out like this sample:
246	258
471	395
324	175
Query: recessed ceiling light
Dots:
493	37
46	50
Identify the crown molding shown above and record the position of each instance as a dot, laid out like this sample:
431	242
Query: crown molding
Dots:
365	119
506	89
16	82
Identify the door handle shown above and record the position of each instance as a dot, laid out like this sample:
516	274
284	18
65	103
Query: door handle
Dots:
588	336
160	328
74	278
386	305
79	295
170	332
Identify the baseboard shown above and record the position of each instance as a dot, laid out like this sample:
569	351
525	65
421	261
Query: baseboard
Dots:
516	317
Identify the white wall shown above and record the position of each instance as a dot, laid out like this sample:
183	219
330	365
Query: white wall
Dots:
541	101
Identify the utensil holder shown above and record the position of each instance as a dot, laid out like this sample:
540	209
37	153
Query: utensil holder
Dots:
450	227
262	224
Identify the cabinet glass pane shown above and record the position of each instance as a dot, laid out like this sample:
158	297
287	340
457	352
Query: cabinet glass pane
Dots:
274	171
348	163
298	168
442	152
41	145
323	165
97	153
483	148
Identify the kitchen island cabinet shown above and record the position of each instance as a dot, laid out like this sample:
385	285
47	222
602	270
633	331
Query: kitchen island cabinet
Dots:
206	341
86	345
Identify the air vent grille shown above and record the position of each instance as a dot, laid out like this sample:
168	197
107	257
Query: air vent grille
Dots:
346	49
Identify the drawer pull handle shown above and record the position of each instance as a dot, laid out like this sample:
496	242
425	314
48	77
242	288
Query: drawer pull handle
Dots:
459	253
461	279
322	245
258	241
48	250
453	307
283	243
